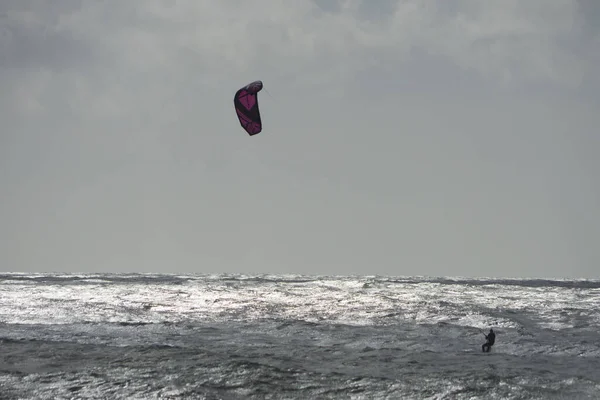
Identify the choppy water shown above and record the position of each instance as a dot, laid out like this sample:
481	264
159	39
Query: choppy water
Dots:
244	337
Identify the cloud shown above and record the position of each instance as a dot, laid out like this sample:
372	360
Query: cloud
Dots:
108	43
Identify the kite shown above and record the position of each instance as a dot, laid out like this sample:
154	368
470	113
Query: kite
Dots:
246	107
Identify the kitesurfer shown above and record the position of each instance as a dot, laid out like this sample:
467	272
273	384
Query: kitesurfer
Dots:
490	340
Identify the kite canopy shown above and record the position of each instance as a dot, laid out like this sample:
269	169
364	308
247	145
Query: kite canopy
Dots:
246	107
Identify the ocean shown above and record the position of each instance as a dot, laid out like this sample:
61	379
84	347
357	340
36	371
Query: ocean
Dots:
145	336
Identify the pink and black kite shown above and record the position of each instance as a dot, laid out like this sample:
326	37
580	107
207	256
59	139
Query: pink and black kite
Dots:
246	107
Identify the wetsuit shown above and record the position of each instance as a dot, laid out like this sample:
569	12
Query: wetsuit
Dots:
491	339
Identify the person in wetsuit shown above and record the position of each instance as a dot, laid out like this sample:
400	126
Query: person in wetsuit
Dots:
490	340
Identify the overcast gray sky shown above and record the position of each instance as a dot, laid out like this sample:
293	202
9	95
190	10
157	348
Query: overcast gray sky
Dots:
401	137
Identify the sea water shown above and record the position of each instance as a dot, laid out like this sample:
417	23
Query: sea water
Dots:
141	336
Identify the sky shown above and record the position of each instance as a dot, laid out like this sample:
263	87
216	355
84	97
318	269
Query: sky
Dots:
401	137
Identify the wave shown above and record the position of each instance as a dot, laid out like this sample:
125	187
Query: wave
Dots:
365	281
533	282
